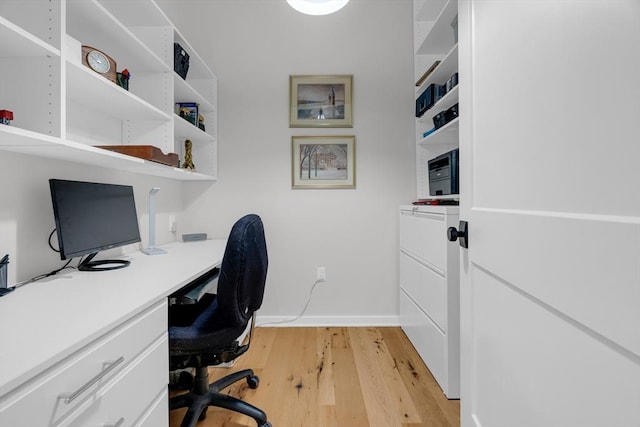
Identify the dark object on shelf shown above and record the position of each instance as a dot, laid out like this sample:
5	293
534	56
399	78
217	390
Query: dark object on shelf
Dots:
444	117
5	117
201	122
452	82
180	61
188	111
123	79
146	152
4	263
194	237
426	99
427	73
443	174
436	202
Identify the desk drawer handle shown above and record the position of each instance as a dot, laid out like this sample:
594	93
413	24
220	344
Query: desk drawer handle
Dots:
108	367
117	424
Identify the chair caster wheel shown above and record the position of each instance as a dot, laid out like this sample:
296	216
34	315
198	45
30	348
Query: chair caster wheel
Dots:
267	424
253	382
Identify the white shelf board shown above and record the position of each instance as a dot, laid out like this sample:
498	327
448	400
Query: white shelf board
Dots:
184	92
88	18
34	144
185	130
90	89
16	42
429	10
445	69
139	13
440	38
447	134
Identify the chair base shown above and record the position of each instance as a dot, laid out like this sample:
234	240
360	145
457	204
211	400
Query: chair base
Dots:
204	395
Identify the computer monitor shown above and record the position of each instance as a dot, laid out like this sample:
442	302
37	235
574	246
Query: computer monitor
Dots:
92	217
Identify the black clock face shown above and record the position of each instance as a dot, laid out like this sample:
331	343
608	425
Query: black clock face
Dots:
98	62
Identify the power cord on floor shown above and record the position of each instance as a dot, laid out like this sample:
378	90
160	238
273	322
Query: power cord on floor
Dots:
279	322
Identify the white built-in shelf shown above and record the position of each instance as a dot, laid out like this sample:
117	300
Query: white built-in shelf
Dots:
440	36
16	42
185	130
184	92
447	67
446	135
92	90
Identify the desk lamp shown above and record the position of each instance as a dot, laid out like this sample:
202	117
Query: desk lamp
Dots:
151	249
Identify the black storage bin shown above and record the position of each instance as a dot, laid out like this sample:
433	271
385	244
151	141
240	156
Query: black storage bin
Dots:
180	60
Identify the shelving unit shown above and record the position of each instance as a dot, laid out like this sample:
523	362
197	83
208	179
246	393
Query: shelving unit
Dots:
434	40
428	263
62	109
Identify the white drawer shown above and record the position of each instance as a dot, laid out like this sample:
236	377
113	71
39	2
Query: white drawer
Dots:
157	415
428	340
125	399
427	288
50	391
424	235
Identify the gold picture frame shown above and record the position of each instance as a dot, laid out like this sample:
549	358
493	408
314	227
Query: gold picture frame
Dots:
323	161
321	101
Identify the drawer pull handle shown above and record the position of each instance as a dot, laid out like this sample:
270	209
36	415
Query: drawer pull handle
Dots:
108	367
117	424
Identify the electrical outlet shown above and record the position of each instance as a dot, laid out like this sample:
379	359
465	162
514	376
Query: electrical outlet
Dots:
322	274
172	223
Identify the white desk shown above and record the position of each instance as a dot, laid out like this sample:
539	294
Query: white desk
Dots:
50	328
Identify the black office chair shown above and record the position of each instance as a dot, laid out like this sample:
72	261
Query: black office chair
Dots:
210	336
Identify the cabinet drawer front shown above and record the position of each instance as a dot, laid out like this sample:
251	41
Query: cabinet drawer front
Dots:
127	397
157	415
62	388
427	288
425	236
428	340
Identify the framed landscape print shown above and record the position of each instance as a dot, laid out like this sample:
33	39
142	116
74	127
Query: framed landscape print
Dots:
323	162
321	101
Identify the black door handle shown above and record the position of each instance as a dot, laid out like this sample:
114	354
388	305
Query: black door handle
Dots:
462	233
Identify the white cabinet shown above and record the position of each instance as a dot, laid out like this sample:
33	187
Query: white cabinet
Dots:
435	41
429	290
63	110
113	379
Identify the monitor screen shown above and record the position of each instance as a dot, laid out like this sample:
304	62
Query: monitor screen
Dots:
91	217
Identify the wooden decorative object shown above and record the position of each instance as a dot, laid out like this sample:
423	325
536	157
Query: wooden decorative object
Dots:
146	152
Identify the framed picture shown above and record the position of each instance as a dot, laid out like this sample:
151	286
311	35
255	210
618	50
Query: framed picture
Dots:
323	162
321	101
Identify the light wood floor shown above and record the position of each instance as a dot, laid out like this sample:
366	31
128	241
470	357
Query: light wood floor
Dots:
335	377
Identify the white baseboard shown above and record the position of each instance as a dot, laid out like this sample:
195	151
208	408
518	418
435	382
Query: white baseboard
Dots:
328	321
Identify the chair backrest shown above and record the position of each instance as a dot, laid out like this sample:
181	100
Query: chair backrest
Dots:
243	272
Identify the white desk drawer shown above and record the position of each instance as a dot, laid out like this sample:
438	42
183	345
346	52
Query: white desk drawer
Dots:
125	399
427	288
62	388
424	235
157	415
428	340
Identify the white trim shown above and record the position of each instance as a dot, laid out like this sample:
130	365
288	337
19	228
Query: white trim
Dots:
336	321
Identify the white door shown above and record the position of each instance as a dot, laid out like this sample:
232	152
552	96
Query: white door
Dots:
550	152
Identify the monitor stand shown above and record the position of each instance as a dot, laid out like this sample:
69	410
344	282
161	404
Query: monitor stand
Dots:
102	265
153	251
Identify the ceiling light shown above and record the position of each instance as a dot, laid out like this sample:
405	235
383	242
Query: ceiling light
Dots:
317	7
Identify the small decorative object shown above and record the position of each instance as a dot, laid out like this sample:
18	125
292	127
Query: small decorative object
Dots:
323	162
321	101
99	62
188	160
180	61
123	79
5	117
188	111
201	122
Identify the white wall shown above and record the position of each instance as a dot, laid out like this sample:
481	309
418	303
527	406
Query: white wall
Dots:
253	46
